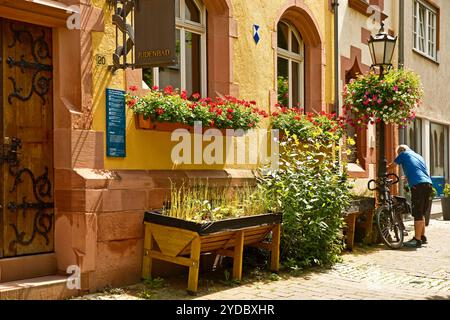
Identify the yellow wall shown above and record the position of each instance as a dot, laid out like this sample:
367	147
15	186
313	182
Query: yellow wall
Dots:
253	72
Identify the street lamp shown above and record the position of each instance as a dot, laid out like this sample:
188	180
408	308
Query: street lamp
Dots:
382	47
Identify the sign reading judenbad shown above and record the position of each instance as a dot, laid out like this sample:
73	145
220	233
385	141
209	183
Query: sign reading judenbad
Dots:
115	123
154	24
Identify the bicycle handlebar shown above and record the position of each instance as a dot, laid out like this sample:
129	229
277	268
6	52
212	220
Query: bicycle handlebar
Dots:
390	181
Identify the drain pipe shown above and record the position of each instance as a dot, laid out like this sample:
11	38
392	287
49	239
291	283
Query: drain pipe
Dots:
401	65
401	53
336	57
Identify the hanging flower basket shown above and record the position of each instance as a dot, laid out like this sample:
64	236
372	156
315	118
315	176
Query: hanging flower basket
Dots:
369	99
169	109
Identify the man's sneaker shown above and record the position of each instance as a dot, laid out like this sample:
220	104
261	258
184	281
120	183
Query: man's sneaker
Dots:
424	240
413	243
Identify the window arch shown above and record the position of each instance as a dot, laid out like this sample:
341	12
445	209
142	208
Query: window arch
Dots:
190	73
290	66
300	17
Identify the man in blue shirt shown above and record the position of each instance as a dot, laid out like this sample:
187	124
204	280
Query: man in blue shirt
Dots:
421	189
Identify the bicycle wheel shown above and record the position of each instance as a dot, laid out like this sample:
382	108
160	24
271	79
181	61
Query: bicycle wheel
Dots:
390	228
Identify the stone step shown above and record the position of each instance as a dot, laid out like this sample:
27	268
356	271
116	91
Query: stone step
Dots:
43	288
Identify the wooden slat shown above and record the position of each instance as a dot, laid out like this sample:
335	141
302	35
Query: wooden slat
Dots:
177	260
248	231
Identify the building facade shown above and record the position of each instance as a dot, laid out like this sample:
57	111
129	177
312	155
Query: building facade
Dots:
64	202
358	20
427	36
421	27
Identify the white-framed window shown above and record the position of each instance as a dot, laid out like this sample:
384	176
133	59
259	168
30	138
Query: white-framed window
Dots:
290	66
190	73
425	29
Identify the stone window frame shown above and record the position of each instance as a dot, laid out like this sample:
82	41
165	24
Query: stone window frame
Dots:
222	30
433	9
293	57
185	26
365	152
297	13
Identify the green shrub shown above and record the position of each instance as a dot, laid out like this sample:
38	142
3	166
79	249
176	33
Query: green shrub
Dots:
312	192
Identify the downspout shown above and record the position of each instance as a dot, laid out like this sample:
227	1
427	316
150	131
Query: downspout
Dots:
336	57
401	65
336	65
401	53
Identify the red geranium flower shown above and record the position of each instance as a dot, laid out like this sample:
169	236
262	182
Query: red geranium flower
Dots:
230	110
160	111
131	103
168	89
155	88
230	116
196	96
133	88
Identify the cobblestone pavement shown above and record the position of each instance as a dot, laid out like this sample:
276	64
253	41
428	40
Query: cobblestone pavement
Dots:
380	274
365	274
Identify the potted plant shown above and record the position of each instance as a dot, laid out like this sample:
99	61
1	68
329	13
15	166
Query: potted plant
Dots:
169	109
446	202
392	99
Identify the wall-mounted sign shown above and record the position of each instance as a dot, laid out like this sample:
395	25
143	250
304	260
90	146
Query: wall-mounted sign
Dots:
115	123
154	27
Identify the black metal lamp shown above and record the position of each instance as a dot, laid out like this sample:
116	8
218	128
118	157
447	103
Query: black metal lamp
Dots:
382	47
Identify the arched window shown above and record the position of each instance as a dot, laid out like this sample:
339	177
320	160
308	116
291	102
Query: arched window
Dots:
190	72
290	66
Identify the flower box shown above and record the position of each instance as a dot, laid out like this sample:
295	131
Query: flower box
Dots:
181	242
148	124
169	106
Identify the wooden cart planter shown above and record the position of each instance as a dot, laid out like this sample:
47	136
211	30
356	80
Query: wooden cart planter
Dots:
181	242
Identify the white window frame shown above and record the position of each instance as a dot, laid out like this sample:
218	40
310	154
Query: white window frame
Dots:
430	14
184	26
293	57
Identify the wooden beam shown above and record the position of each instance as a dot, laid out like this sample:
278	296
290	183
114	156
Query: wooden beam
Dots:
194	269
238	255
275	249
147	260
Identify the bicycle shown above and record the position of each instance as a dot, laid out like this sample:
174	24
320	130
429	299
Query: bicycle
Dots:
388	215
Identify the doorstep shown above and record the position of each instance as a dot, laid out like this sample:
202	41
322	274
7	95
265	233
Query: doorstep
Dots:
52	287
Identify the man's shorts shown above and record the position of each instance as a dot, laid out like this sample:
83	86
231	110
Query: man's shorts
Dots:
420	199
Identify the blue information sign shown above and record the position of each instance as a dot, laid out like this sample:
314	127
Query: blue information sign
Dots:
115	123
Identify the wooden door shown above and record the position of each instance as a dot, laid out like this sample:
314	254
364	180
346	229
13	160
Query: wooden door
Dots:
26	154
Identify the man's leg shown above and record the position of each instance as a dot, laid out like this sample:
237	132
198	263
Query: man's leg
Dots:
417	202
419	228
